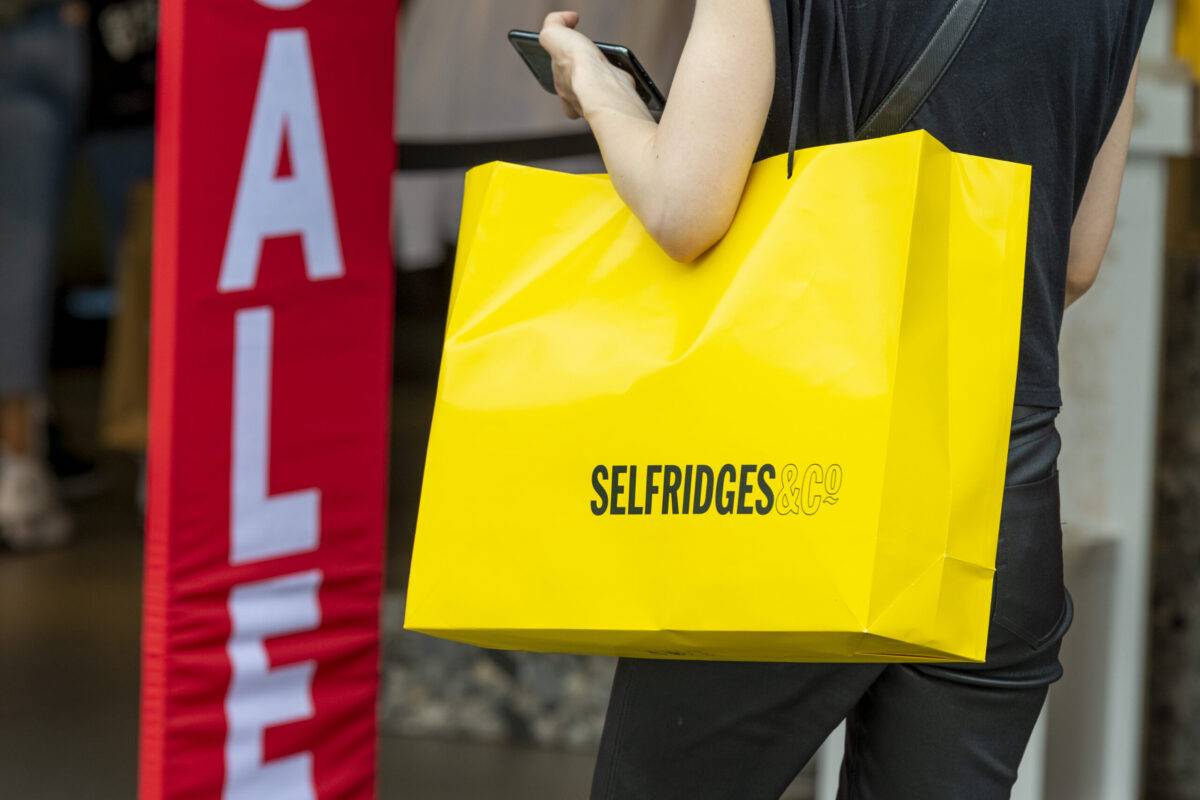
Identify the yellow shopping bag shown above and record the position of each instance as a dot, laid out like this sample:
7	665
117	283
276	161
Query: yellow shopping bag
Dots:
791	450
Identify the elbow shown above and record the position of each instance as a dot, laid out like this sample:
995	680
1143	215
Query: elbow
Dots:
1079	281
1077	289
686	236
681	247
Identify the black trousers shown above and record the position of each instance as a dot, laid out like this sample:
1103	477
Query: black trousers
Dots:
711	729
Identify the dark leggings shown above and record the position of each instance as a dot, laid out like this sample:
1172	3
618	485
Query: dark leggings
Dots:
710	729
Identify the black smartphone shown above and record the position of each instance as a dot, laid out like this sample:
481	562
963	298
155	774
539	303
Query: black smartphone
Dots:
538	60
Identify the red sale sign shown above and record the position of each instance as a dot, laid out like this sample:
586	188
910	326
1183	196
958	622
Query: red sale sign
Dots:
271	366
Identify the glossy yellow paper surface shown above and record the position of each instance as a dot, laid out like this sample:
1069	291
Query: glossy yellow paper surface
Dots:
863	316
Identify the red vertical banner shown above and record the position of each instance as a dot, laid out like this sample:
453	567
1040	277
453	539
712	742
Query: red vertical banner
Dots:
270	382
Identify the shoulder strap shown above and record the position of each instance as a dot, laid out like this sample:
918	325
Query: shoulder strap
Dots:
915	86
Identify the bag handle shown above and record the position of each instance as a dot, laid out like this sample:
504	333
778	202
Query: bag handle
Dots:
839	21
914	86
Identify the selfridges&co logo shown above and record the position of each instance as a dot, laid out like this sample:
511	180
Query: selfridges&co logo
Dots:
673	489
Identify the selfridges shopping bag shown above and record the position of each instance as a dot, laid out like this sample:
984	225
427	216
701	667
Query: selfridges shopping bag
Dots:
792	449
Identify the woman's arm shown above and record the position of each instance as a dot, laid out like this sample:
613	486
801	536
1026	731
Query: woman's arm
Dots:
683	177
1098	210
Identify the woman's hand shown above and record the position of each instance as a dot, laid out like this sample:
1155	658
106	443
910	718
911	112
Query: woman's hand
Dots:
583	77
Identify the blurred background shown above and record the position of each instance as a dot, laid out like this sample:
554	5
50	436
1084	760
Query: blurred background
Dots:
459	722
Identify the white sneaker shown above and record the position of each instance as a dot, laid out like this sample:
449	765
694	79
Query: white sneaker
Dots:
31	515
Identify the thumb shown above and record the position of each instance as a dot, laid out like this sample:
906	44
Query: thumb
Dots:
568	19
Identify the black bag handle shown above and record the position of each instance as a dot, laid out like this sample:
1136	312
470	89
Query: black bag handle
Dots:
914	86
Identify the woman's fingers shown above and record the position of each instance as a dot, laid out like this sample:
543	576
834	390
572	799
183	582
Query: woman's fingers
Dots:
567	19
558	35
568	49
626	79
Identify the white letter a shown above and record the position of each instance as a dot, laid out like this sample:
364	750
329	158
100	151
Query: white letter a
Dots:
299	203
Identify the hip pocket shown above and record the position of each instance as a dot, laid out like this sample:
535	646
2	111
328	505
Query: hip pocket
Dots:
1029	599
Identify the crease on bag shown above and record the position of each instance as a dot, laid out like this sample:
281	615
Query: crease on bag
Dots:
599	219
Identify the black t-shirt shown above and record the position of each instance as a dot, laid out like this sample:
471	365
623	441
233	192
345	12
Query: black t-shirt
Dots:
1038	83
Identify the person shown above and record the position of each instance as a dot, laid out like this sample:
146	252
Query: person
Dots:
118	140
118	145
43	49
1042	84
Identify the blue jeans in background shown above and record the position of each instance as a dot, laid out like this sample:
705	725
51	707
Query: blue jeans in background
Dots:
43	77
118	160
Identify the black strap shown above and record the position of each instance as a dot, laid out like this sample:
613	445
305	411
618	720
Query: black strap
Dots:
915	86
798	89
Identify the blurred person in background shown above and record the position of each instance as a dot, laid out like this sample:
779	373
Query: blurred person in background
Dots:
119	149
43	67
119	138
